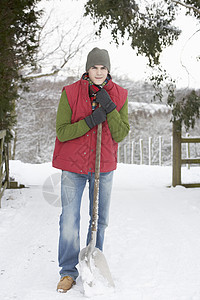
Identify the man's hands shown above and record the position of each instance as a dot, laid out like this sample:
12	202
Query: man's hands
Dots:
98	116
104	99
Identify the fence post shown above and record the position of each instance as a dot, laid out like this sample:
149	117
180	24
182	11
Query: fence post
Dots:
172	150
188	150
125	154
4	168
130	148
1	166
176	173
160	150
118	155
132	151
141	151
7	164
150	150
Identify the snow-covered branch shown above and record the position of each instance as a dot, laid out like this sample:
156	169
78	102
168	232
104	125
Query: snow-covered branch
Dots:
58	44
187	6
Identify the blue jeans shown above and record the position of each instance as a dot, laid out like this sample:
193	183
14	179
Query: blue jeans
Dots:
72	187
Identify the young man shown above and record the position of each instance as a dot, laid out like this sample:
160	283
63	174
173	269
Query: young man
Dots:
75	150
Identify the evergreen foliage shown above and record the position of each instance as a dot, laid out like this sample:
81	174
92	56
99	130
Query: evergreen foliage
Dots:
18	44
186	109
150	27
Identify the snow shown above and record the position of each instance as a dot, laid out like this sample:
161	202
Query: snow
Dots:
152	244
148	107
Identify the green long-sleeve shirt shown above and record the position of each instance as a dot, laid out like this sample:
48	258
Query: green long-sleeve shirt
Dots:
65	130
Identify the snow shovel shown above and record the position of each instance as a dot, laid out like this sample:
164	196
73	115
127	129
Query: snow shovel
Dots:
91	257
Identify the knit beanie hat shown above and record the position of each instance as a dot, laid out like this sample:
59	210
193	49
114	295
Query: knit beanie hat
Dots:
98	57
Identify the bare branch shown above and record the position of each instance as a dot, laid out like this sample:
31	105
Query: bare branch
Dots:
40	75
58	46
181	61
187	6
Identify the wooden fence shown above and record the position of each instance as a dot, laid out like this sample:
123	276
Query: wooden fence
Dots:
144	151
4	164
157	150
178	140
171	153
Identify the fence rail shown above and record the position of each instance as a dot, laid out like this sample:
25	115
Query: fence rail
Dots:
4	164
157	151
146	151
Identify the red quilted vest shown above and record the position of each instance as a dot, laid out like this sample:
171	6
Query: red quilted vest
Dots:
78	155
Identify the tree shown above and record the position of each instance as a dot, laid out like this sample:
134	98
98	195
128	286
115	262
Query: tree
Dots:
58	44
18	45
60	39
150	27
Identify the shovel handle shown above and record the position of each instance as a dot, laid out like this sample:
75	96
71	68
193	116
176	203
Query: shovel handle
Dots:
97	177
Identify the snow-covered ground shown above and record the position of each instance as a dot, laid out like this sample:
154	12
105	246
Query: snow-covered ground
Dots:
152	243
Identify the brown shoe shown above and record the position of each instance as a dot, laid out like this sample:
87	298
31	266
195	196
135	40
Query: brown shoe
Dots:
65	284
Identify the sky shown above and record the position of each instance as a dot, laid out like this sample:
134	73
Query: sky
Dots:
180	60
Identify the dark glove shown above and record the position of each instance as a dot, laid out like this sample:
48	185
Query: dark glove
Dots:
98	116
104	99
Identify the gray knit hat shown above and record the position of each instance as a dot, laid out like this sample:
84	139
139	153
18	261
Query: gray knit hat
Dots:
98	57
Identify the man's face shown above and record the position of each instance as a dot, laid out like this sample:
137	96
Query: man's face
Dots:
98	74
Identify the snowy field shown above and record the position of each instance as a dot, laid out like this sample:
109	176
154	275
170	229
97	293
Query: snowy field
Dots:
152	244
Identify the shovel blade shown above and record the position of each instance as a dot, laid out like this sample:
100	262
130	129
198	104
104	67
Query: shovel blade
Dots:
96	262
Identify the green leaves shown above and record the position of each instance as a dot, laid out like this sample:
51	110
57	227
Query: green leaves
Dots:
18	45
185	108
148	27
